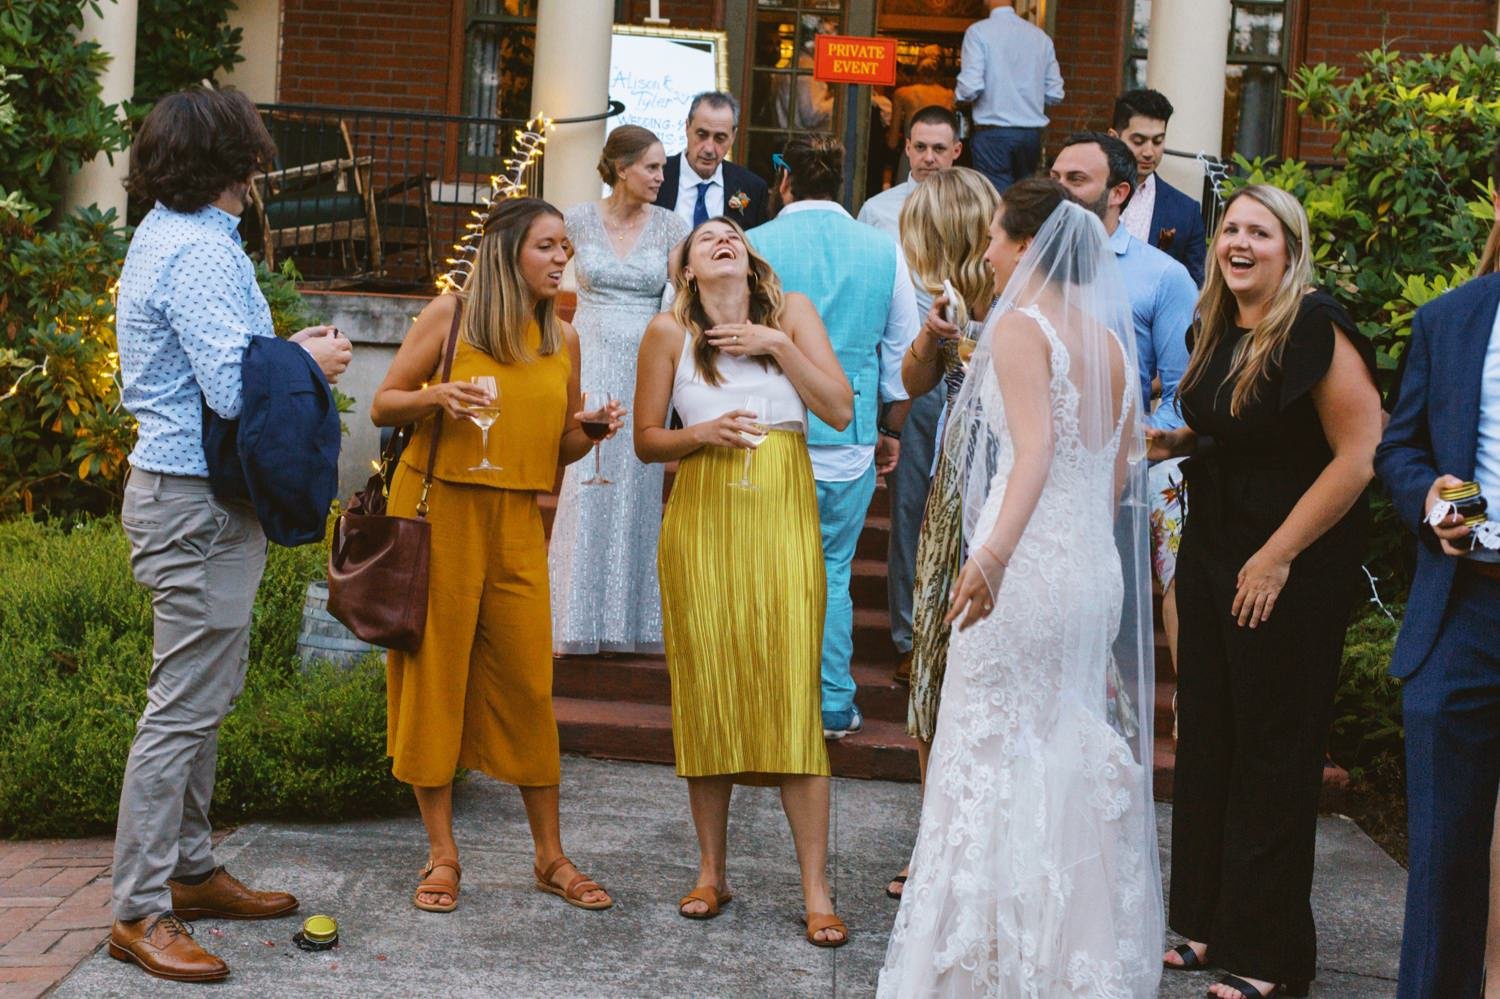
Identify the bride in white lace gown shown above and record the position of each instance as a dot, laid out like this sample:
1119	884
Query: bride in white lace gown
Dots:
1035	872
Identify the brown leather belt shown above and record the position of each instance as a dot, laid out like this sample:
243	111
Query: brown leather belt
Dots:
1489	570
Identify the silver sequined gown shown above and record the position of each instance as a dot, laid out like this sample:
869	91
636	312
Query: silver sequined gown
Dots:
602	558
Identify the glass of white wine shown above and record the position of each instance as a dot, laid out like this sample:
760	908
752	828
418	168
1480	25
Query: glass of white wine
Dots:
755	436
484	417
966	344
595	425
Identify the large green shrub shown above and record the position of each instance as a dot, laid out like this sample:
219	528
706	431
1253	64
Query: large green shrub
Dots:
182	42
75	650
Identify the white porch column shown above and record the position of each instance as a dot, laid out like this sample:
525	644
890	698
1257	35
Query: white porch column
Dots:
101	182
570	77
1186	58
259	22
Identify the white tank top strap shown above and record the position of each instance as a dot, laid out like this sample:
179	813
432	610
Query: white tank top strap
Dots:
739	378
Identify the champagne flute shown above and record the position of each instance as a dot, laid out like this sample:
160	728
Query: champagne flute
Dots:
484	417
756	436
596	405
966	345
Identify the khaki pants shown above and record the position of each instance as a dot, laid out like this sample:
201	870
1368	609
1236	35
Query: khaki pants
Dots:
202	560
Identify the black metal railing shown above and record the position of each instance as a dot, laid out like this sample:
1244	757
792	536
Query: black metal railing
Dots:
372	199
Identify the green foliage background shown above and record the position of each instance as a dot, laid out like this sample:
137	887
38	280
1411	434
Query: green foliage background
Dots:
75	649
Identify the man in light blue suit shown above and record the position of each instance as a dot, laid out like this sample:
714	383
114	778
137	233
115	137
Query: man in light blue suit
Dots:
1444	431
857	279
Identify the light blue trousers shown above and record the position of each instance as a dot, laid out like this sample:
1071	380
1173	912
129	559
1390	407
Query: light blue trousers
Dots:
841	512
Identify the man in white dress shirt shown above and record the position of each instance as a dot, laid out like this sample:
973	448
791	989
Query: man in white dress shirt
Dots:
931	145
699	183
1008	71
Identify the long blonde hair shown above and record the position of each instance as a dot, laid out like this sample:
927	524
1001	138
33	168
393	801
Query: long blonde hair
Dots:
767	302
1260	349
945	228
498	305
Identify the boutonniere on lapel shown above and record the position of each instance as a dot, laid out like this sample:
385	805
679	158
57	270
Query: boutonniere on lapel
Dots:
739	201
1165	238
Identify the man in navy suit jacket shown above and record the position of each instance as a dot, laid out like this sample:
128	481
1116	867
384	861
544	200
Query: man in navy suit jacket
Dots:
1158	213
699	183
1445	430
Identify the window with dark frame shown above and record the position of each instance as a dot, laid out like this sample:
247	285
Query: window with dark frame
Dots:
499	44
1255	77
784	99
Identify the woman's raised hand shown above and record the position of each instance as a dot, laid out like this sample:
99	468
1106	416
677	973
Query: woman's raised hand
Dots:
614	413
745	339
457	398
727	430
937	323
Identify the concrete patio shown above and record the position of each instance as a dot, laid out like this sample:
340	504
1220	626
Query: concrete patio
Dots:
627	825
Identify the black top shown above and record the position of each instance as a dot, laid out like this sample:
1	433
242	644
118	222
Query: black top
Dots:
1240	489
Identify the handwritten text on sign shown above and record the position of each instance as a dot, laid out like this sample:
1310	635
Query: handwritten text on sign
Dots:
847	59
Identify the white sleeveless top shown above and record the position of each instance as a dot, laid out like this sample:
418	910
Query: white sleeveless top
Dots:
696	401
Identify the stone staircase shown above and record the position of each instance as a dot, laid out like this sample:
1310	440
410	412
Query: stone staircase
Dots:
617	707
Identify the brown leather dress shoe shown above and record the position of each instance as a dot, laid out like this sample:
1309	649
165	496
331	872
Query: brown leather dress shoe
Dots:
903	670
222	896
164	946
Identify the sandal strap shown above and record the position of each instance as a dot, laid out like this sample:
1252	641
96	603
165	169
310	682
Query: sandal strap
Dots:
705	894
1247	990
820	921
432	865
1190	958
553	868
581	886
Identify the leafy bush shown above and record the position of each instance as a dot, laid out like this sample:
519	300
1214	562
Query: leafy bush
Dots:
1368	736
182	42
75	649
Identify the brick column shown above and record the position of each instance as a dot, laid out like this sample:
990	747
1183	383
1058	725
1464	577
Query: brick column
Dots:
571	77
101	182
1188	50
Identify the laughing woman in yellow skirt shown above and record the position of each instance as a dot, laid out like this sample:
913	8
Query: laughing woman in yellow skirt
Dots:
477	693
740	560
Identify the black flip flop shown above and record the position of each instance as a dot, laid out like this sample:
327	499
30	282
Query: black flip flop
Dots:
1296	990
899	879
1190	959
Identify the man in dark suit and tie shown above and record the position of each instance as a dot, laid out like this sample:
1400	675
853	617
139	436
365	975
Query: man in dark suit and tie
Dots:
1445	431
1158	213
699	183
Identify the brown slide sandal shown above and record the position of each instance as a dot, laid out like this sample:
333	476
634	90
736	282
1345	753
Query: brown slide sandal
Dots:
820	921
709	896
577	888
438	885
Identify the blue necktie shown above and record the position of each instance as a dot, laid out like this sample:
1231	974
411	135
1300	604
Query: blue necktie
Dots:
700	210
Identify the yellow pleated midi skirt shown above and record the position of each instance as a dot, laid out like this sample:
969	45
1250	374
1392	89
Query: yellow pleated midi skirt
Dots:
743	595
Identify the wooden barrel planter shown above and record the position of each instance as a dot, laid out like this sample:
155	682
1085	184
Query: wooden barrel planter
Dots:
323	636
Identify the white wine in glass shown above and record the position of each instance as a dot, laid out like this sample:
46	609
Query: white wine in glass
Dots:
755	437
484	417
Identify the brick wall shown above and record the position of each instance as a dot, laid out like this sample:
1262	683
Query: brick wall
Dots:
1338	31
1090	51
391	54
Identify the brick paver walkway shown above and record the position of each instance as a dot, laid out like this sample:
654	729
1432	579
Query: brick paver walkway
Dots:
54	910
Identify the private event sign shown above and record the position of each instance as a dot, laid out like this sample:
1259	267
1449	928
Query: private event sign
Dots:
850	59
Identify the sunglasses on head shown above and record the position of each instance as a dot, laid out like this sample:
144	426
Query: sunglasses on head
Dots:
779	164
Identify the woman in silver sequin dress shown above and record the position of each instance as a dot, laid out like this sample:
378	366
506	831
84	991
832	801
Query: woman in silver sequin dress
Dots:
602	557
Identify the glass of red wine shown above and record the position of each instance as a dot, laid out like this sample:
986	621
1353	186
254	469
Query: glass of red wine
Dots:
596	427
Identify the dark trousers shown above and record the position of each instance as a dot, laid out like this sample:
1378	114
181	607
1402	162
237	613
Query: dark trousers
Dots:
909	485
1253	710
1451	708
1006	155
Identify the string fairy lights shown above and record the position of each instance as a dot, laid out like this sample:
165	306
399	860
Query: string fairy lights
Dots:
527	145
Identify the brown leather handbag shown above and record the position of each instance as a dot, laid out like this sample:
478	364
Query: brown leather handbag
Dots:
377	564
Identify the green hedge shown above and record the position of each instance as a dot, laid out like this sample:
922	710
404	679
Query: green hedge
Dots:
75	648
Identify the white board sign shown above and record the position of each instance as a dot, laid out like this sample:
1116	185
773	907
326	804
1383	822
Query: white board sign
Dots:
655	73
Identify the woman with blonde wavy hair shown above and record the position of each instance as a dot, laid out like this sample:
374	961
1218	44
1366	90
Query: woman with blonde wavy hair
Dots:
477	692
945	228
1268	574
740	559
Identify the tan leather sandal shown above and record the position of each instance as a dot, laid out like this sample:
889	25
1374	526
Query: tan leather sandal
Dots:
709	896
820	921
576	889
432	885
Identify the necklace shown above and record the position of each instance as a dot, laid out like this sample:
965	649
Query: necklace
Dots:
625	231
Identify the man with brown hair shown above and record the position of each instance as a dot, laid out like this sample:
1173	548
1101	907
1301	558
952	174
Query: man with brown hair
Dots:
188	307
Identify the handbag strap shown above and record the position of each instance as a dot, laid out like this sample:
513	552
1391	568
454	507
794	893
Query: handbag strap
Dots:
437	431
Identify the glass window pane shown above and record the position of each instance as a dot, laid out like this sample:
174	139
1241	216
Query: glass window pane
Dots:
1140	27
770	100
775	40
1252	110
758	153
1256	32
817	104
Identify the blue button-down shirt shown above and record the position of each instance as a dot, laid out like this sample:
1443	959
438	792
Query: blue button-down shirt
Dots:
1008	69
187	307
1162	300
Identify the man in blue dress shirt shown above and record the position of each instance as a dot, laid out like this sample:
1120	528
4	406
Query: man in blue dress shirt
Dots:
188	306
1008	72
1099	171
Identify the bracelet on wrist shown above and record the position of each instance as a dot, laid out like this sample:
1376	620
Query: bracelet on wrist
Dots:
912	349
886	431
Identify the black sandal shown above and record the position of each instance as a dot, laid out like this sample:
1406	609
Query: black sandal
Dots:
1190	959
1292	990
899	879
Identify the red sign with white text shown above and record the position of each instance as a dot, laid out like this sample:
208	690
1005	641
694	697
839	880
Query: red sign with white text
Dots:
848	59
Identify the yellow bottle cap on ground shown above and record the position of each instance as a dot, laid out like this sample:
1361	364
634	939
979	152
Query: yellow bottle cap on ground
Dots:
320	929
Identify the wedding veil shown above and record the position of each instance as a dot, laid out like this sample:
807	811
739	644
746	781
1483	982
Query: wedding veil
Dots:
1068	274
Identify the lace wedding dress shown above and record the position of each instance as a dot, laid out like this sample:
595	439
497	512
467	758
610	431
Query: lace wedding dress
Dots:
1035	872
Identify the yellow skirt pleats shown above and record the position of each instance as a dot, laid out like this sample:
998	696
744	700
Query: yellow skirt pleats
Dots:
743	595
477	693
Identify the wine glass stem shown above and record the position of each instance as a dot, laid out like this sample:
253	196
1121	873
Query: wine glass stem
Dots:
749	453
597	473
484	445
